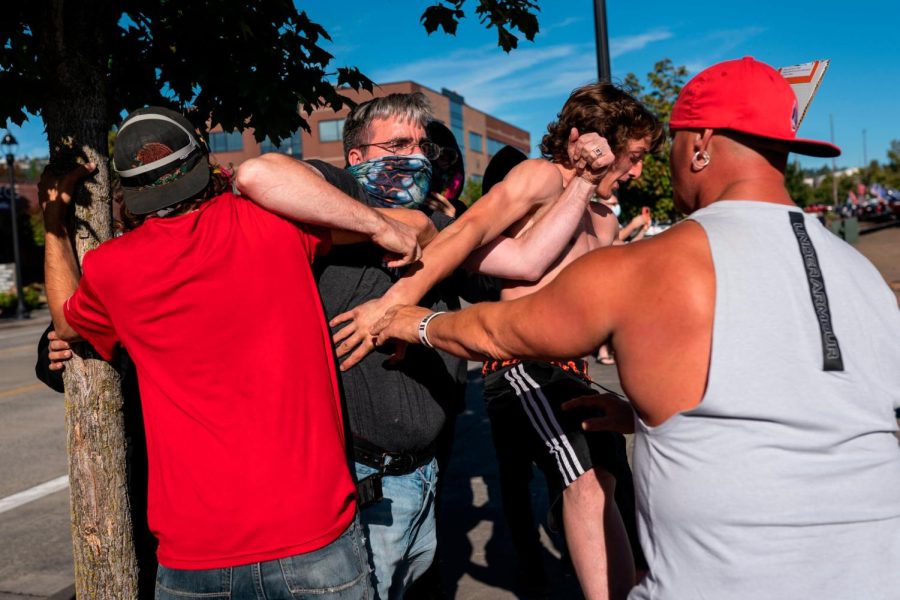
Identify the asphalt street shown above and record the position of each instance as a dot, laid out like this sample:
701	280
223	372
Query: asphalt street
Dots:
35	552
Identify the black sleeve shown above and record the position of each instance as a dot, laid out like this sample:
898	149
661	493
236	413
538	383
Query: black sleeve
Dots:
440	220
53	379
340	179
476	287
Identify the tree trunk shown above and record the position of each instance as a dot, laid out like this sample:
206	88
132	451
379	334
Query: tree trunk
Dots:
75	114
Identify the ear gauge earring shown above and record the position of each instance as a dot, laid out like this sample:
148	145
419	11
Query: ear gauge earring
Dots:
700	160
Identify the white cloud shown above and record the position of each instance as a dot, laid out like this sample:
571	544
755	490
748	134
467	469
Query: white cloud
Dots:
561	25
723	43
490	79
623	45
527	86
487	77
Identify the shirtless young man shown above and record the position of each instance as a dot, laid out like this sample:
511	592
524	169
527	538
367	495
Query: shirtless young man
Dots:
599	141
765	461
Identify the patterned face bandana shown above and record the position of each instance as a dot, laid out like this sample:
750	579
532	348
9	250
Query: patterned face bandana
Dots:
395	181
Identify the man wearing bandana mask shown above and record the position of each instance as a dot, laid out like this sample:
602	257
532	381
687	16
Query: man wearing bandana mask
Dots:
578	162
396	409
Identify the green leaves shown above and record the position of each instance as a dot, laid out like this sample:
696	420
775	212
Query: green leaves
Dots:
232	63
506	16
445	17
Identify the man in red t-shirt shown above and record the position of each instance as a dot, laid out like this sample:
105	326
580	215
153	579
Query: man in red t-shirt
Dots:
249	483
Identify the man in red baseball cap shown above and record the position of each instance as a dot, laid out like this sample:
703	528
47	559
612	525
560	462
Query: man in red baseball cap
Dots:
759	354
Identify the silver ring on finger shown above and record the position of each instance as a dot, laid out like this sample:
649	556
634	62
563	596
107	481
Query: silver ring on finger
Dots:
598	152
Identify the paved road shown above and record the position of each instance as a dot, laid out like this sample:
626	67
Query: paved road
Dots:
35	552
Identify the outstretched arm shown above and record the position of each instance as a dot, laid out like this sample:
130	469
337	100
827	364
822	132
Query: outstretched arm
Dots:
528	256
298	191
484	221
61	273
559	320
530	184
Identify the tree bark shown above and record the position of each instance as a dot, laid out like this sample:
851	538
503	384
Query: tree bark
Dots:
75	114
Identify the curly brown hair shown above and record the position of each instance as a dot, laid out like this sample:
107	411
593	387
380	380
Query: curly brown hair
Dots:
604	109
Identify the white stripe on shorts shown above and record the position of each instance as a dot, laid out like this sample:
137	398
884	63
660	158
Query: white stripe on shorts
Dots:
538	409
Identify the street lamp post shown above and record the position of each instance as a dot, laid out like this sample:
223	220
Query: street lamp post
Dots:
10	144
604	73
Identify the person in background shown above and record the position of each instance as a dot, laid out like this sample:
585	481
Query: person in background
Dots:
448	175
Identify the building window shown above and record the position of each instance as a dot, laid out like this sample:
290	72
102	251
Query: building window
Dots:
222	141
475	142
331	131
494	146
291	146
456	115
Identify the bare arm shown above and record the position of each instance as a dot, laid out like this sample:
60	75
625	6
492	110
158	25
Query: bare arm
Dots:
61	273
528	185
424	227
528	256
559	320
637	223
531	254
506	203
414	219
298	191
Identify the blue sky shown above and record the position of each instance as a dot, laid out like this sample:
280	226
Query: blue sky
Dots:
861	89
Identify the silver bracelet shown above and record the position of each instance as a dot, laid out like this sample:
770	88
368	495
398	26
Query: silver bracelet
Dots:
423	328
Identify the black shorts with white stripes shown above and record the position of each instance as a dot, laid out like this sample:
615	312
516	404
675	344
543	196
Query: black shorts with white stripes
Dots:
524	400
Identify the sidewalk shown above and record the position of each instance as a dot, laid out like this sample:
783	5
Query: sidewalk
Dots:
882	247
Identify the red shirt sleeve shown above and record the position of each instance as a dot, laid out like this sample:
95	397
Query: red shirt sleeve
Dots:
86	314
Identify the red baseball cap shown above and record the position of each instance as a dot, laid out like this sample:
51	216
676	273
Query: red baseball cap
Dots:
747	96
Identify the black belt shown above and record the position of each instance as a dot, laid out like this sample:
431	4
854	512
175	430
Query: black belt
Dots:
400	463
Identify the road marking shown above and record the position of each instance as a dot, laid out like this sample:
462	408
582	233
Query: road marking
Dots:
31	494
22	389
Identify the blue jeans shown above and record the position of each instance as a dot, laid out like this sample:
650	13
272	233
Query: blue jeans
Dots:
400	529
339	571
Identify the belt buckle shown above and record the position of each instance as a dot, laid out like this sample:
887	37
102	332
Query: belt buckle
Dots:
401	462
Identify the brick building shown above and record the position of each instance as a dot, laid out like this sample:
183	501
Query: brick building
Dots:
478	134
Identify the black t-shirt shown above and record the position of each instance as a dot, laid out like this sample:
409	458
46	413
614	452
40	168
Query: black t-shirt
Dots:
398	407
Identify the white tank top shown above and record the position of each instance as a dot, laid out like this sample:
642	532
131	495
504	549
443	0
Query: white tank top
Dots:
784	483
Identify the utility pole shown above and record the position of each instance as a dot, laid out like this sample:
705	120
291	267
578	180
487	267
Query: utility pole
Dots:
604	72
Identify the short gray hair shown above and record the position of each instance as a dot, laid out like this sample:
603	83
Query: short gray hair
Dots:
413	107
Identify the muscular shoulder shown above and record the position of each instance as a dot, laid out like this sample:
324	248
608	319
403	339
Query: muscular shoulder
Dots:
680	262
